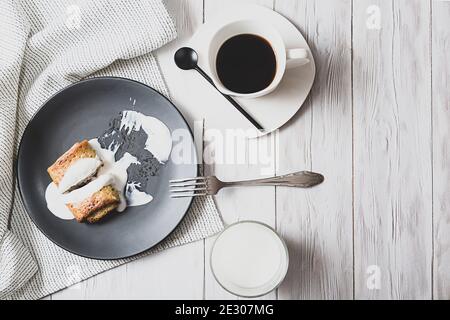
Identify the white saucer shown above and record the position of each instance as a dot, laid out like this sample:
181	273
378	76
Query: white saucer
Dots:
276	108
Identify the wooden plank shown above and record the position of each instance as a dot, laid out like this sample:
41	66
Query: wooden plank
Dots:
159	276
255	203
162	275
317	222
392	149
441	148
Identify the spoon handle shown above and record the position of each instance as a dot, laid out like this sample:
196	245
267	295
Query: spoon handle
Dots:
231	100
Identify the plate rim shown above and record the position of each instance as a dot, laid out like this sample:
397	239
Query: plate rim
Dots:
16	167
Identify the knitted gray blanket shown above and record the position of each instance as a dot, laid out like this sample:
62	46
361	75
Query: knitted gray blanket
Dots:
44	47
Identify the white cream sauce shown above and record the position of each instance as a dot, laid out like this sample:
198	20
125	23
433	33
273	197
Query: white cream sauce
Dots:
56	201
78	172
159	143
159	139
56	204
135	197
117	169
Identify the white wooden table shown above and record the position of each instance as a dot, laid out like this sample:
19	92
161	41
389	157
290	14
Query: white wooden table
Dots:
377	125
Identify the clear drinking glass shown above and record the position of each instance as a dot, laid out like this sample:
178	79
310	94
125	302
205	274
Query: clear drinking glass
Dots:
249	259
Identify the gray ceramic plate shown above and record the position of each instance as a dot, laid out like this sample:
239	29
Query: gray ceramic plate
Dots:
83	111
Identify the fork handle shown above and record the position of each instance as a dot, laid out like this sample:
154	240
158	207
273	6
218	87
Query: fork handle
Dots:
301	179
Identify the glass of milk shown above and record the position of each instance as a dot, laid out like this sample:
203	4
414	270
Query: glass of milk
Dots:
249	259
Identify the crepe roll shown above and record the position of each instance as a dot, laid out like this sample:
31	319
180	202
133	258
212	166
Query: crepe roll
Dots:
75	168
96	206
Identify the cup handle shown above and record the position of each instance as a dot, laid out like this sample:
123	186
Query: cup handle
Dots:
296	58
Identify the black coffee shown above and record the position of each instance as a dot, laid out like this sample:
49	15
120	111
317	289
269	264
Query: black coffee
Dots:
246	63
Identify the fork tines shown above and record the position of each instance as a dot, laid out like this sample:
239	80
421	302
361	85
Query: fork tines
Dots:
190	187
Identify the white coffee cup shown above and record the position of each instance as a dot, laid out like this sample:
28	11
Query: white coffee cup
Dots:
285	58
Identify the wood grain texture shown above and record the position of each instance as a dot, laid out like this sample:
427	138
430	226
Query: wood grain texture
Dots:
159	276
253	203
392	150
381	95
441	147
317	222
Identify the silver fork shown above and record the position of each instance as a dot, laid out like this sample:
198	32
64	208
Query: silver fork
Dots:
204	186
